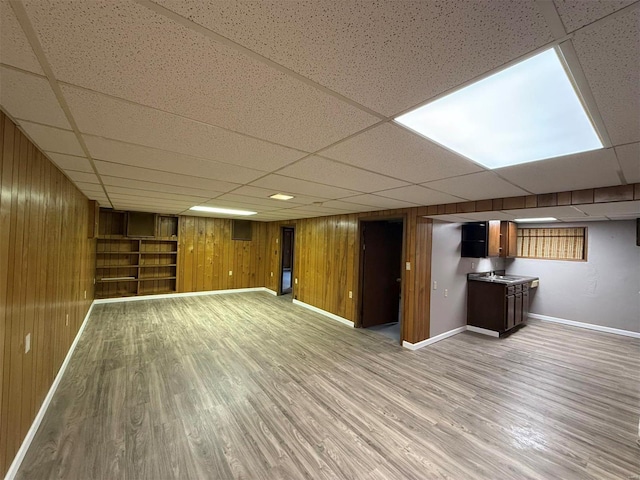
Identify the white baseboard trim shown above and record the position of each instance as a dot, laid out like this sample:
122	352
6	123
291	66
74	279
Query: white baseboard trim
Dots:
344	321
437	338
185	294
272	292
483	331
589	326
26	443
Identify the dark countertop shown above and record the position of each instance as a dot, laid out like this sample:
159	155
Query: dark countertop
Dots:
502	279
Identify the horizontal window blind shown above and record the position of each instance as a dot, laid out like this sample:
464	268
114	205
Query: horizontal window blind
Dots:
552	243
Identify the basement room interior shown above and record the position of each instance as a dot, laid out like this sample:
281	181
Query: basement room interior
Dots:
340	239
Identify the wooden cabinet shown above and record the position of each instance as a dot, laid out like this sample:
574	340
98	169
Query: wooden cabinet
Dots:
496	306
128	266
508	239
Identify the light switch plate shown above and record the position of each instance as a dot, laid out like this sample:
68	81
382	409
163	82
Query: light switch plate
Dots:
27	343
408	266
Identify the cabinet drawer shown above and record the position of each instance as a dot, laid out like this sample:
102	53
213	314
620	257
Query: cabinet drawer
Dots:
518	288
511	290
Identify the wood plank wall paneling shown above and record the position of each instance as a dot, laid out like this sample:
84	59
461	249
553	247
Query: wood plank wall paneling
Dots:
206	254
327	264
46	264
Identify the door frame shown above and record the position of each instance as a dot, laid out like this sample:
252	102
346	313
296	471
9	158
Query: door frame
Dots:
360	281
281	258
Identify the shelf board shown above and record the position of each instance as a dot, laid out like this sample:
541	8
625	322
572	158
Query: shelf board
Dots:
145	279
137	266
118	279
159	253
158	265
112	252
116	266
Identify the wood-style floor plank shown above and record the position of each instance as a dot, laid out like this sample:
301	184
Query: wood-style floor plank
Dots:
249	386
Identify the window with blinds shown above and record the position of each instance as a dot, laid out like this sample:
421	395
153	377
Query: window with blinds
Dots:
553	243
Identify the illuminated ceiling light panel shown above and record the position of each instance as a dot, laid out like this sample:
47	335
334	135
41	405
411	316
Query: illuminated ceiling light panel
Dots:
224	211
527	112
281	196
536	220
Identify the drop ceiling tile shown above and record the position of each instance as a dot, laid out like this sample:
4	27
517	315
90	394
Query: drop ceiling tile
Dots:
145	157
261	202
90	187
578	13
419	195
327	171
28	97
385	55
190	75
15	49
448	218
378	202
135	207
138	200
237	205
346	206
485	216
122	191
477	186
50	139
610	209
629	158
608	54
301	187
70	162
144	174
104	116
265	193
158	187
583	219
82	177
315	210
392	150
572	172
622	217
540	212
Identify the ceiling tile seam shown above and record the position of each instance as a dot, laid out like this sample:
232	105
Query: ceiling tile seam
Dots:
195	157
165	171
366	170
20	70
346	199
618	167
24	120
550	13
421	186
607	18
153	191
25	23
184	117
170	14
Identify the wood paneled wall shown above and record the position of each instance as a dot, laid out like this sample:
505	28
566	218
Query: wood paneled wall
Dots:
327	263
206	254
46	265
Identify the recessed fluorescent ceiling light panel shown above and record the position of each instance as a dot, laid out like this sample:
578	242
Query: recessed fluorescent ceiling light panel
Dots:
527	112
533	220
224	211
281	196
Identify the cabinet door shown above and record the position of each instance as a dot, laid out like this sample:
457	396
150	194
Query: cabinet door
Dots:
493	249
518	309
511	306
525	304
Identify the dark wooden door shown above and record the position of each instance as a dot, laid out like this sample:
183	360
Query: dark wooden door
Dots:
381	272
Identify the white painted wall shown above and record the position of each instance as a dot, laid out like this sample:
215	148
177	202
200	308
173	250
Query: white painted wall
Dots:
449	270
604	290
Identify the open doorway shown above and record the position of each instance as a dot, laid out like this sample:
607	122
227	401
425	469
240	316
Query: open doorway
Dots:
286	267
381	244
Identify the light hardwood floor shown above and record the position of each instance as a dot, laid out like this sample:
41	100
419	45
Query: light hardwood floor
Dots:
251	386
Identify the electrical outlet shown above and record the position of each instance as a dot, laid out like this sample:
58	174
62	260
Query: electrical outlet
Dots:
446	292
473	265
66	322
296	281
272	274
350	294
230	273
27	343
276	240
435	285
407	266
85	294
